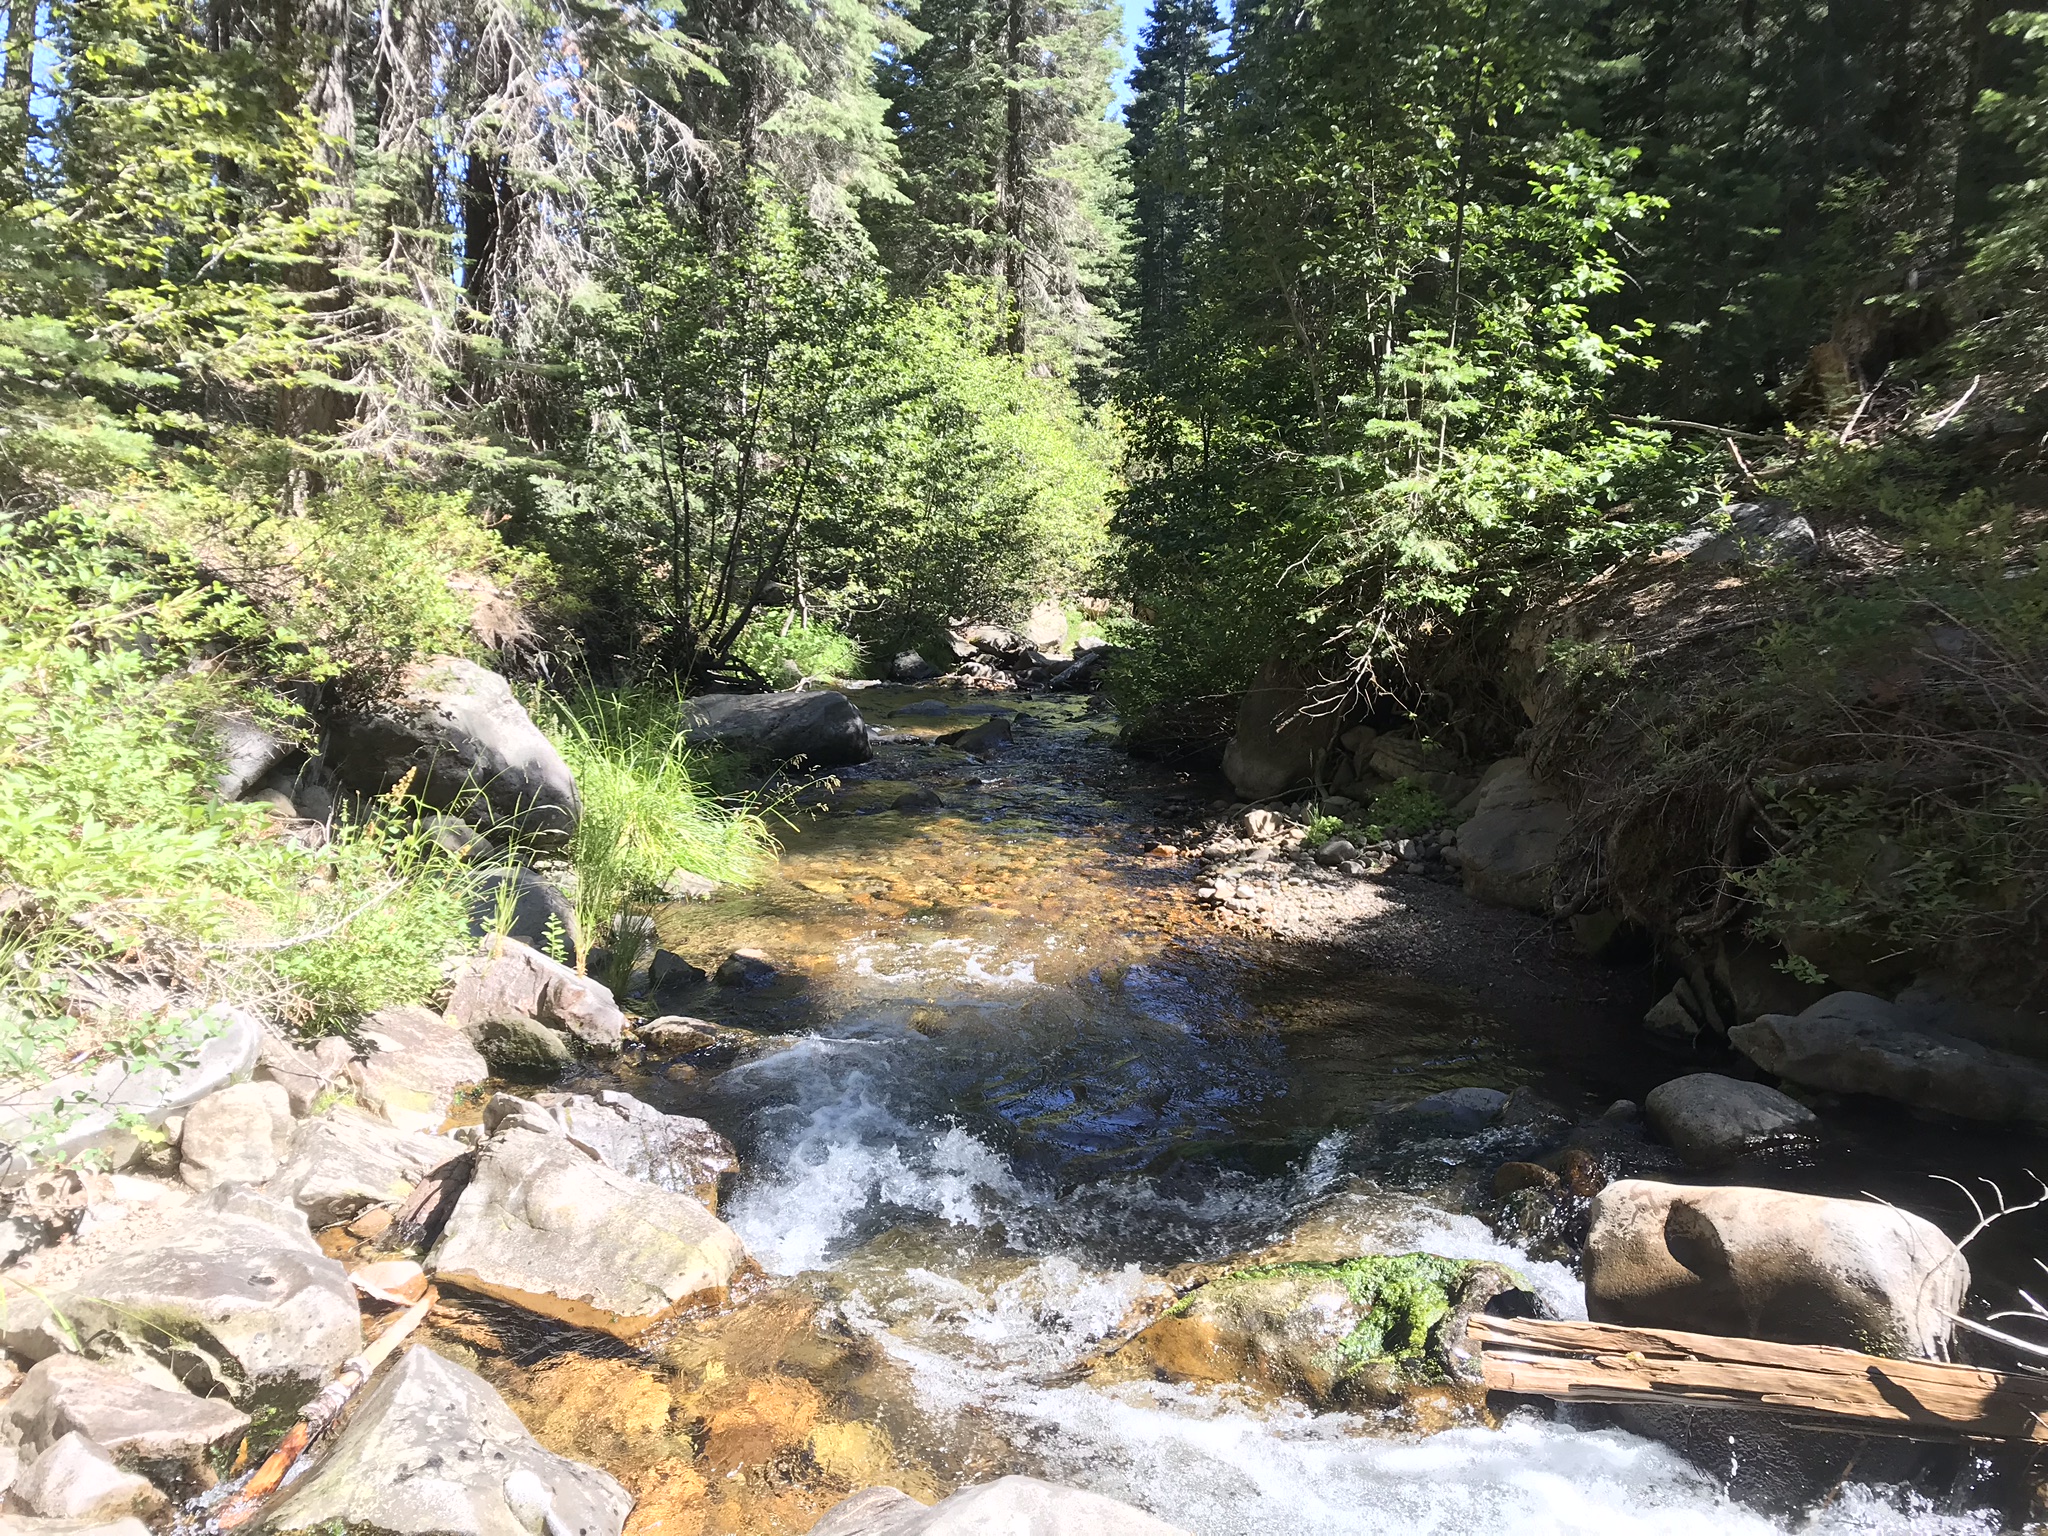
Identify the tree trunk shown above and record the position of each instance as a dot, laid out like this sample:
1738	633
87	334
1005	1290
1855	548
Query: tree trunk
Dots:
1010	201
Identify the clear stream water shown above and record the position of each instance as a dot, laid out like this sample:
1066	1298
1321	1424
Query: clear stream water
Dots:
1014	1076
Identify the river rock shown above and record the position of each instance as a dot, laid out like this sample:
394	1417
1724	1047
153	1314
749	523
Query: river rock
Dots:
522	1049
77	1480
345	1162
1462	1110
1712	1119
239	1135
164	1435
430	1452
470	748
303	1074
910	667
1279	743
1767	1264
1361	1332
216	1050
676	1152
822	729
546	1226
512	979
519	904
997	731
1508	847
415	1065
240	1300
672	976
1851	1042
1009	1506
746	968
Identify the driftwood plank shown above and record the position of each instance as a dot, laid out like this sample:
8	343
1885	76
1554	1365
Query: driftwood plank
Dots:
1607	1363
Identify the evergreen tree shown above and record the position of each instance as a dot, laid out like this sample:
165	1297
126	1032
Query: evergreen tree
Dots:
1177	58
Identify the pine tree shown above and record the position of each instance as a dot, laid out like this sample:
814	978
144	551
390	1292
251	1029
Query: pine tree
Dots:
1177	58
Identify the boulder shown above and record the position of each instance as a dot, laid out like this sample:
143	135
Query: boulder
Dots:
1462	1110
512	979
518	904
920	798
1279	744
246	749
470	748
1091	656
822	729
345	1162
1712	1119
1009	1506
239	1300
909	667
746	968
522	1049
675	1152
671	975
303	1074
997	731
164	1435
545	1226
210	1051
1363	1332
1508	847
1851	1042
239	1135
434	1451
1767	1264
1748	533
77	1480
415	1064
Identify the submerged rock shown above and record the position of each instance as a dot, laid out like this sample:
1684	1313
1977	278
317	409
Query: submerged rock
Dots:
1362	1332
462	743
1767	1264
546	1226
1009	1506
1462	1110
822	728
1712	1119
434	1451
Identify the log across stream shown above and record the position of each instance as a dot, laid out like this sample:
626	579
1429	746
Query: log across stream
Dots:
1013	1085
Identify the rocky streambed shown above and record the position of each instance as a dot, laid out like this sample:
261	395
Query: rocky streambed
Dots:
991	1153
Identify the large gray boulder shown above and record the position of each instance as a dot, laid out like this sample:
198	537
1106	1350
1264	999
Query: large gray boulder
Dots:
545	1226
1508	846
470	747
1712	1119
345	1162
432	1451
1767	1264
240	1301
415	1065
511	980
1282	741
164	1435
1851	1042
77	1480
1009	1506
676	1152
100	1106
822	728
237	1136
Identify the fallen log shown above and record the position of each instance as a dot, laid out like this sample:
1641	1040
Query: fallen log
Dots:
1833	1388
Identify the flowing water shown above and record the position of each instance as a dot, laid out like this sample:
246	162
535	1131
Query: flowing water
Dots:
1011	1078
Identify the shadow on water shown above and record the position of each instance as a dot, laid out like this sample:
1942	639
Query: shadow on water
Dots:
1011	1074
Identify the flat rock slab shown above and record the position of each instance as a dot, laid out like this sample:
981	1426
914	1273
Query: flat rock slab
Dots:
1009	1506
234	1303
162	1434
345	1162
510	980
1851	1042
546	1226
414	1069
676	1152
1767	1264
820	729
1712	1119
428	1453
237	1136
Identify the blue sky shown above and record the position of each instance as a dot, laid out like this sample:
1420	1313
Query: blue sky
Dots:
1134	23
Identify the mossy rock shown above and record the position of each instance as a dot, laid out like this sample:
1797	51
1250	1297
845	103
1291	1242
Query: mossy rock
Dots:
1366	1332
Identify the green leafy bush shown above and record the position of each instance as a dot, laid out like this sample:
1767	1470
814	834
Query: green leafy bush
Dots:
815	647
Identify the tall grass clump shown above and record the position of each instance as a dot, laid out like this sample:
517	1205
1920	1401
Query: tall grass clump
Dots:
650	810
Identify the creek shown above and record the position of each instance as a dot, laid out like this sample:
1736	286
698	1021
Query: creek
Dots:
1011	1075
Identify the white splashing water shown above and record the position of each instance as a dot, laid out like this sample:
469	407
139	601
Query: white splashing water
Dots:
988	1339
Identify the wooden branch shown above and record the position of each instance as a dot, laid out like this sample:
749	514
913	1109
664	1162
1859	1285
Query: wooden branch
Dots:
1838	1388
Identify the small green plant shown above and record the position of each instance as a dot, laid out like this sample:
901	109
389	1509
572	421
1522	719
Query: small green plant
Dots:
1322	829
1407	806
779	639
